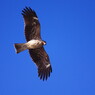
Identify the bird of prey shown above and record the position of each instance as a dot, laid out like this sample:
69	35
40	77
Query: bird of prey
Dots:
34	43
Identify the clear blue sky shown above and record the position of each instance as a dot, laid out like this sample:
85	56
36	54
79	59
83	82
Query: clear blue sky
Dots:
68	26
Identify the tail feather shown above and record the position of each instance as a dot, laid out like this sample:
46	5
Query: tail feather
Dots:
20	47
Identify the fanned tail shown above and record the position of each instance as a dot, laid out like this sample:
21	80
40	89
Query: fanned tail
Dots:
20	47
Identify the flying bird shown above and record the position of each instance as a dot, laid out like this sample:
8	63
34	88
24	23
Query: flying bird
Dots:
34	43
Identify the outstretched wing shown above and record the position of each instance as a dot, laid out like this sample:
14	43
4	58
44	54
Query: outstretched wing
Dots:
32	25
41	59
39	55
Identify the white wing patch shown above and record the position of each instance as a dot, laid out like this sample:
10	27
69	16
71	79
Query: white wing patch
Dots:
35	18
47	65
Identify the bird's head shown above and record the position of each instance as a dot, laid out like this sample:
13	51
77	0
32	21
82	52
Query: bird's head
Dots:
44	42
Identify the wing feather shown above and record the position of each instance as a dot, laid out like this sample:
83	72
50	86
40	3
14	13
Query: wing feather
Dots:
41	59
32	25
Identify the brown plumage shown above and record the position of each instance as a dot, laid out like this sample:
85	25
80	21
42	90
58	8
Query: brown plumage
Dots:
32	32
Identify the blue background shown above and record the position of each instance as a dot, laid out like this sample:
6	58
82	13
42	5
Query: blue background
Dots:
68	26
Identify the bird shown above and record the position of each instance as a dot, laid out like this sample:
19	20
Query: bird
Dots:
34	44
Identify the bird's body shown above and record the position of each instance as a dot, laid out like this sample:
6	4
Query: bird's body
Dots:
34	43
